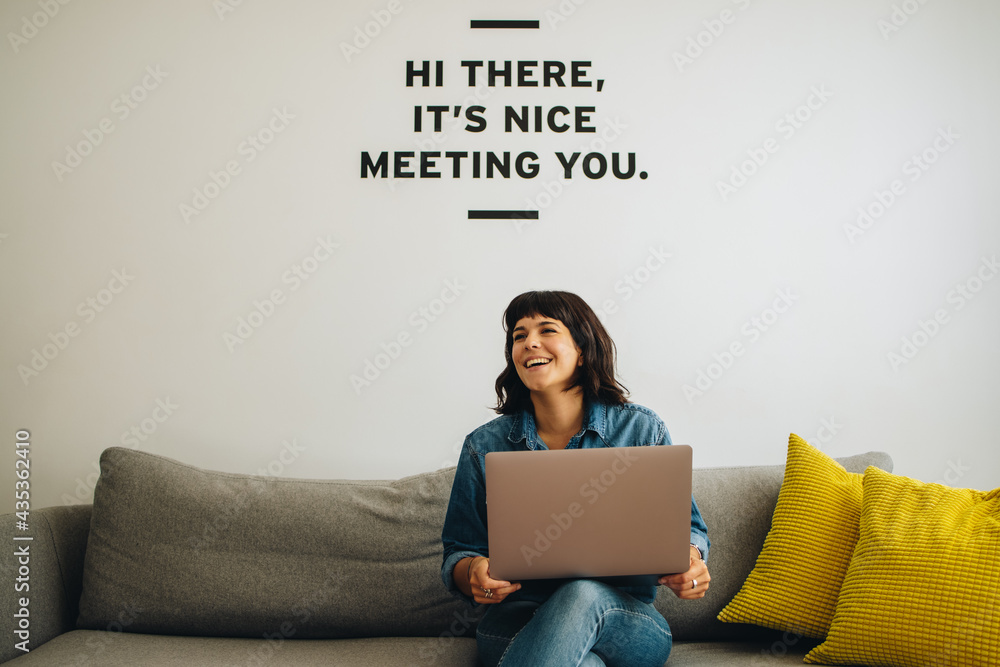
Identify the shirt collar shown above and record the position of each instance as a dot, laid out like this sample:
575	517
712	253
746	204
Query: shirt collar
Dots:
524	427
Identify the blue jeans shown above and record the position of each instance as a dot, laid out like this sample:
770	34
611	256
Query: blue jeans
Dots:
582	623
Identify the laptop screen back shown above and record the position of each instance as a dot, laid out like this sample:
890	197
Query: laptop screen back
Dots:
601	512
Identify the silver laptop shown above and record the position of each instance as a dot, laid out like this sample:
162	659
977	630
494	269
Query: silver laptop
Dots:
589	513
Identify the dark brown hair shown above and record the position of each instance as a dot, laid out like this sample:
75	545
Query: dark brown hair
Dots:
597	374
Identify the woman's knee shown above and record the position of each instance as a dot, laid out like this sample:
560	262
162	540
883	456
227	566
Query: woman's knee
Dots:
636	638
588	592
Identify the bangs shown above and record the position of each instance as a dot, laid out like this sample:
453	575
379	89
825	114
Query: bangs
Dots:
537	304
597	378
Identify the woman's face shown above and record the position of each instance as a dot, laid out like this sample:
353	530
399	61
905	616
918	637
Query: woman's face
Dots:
544	354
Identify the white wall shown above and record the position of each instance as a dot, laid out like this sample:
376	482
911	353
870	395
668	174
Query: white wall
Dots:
886	95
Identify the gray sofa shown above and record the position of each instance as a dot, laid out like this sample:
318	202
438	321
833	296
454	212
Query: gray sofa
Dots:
175	565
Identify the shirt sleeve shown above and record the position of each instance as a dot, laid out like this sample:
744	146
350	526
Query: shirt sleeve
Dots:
699	531
464	533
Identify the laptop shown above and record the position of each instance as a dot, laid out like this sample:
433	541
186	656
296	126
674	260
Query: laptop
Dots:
609	512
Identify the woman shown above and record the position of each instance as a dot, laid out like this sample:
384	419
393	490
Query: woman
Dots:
558	391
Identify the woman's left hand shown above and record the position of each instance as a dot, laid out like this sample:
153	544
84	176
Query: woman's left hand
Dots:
692	584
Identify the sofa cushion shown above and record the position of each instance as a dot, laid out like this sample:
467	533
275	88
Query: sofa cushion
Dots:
737	504
923	587
113	649
56	567
116	649
797	577
176	549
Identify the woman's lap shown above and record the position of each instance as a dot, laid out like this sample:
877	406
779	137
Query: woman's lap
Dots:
582	622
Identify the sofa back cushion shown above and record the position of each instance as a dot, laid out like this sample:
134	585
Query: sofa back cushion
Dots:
737	504
175	549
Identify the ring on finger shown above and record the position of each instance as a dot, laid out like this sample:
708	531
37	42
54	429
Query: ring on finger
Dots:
488	593
694	583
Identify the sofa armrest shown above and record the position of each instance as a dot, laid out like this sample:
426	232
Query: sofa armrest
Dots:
54	578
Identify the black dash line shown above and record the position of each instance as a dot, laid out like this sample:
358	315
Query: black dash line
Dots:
516	25
503	215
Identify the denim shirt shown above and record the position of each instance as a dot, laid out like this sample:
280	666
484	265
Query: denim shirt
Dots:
465	529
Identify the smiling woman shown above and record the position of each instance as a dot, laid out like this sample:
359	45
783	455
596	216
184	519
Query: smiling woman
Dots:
556	320
558	390
545	355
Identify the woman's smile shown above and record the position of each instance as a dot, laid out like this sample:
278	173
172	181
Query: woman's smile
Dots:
545	354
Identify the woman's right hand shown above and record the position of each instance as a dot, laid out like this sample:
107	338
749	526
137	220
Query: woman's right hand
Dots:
485	589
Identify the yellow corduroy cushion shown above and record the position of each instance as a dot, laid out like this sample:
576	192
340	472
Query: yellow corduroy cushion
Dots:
796	579
923	587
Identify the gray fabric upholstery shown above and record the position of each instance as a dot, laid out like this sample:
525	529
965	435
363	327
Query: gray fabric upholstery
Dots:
56	564
124	649
174	549
772	653
209	556
737	504
111	649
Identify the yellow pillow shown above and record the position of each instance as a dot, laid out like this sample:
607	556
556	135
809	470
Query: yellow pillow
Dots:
923	587
796	579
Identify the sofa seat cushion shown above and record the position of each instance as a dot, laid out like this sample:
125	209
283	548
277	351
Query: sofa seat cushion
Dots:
174	549
124	649
729	654
118	649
